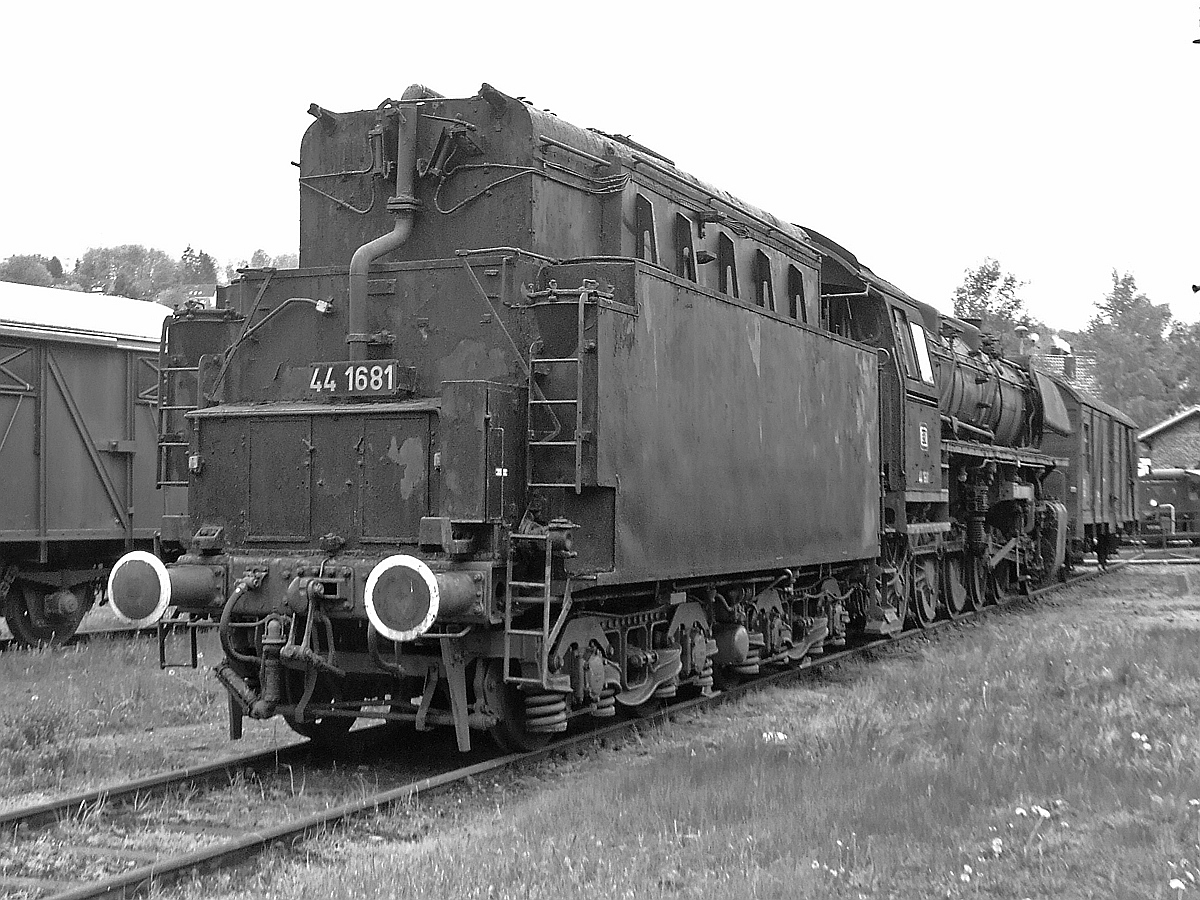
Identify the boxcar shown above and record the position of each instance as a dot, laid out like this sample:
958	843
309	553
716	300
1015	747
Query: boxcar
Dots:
78	390
1099	488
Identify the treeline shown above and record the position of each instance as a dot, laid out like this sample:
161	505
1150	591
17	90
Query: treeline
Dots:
131	270
1147	362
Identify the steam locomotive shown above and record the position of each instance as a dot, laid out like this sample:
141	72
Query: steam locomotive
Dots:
544	428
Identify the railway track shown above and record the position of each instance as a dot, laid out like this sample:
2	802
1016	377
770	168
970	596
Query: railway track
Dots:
129	828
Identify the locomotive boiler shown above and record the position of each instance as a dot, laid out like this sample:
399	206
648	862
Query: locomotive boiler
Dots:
544	428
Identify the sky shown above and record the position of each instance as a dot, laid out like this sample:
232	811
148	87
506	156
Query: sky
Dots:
1057	137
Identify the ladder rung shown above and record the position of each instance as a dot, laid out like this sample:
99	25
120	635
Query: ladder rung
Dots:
174	444
526	632
180	369
552	443
555	360
552	402
188	408
540	585
552	484
173	484
532	536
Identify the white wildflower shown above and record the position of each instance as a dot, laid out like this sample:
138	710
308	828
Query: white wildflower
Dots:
774	737
1021	811
1146	747
964	878
1194	802
1177	885
997	846
1042	811
1190	877
815	864
1135	736
968	869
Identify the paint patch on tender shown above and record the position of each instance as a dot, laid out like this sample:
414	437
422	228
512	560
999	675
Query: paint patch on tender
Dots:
410	456
472	360
754	336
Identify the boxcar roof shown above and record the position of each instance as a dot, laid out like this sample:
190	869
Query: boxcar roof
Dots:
1095	402
54	314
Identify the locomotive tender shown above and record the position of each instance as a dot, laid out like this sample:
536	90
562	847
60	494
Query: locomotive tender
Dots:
78	387
544	427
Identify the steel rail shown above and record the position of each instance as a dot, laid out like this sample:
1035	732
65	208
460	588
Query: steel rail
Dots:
252	843
54	810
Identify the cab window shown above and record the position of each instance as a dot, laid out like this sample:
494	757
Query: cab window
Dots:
921	346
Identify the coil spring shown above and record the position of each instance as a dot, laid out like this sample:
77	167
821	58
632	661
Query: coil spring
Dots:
705	680
752	663
545	713
606	706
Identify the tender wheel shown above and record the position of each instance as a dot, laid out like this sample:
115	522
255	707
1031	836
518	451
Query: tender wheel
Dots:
325	733
510	733
56	627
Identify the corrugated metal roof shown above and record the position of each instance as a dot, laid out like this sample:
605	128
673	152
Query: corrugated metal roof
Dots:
74	316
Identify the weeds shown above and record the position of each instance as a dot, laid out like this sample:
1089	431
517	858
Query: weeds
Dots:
1019	759
59	705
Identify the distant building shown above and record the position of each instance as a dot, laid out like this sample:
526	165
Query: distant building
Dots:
1077	369
203	294
1174	443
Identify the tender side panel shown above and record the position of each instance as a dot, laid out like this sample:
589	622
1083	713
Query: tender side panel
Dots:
735	441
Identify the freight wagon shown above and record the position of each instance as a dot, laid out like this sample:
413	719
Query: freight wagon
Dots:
79	378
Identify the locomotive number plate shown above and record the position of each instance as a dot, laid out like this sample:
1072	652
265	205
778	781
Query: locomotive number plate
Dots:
374	378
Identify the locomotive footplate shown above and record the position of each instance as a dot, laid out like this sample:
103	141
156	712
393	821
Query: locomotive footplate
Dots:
1017	457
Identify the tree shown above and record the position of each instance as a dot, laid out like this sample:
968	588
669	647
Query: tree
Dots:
197	267
129	270
54	266
990	294
1138	363
27	270
260	259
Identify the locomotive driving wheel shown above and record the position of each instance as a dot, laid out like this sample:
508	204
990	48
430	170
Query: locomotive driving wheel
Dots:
924	591
955	591
976	583
39	616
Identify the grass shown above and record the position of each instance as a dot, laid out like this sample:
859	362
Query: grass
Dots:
58	706
1043	754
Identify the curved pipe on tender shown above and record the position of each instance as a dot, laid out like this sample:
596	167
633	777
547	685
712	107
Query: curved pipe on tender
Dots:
404	206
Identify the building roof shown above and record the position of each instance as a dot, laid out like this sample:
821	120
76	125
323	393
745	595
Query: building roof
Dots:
1168	423
55	314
